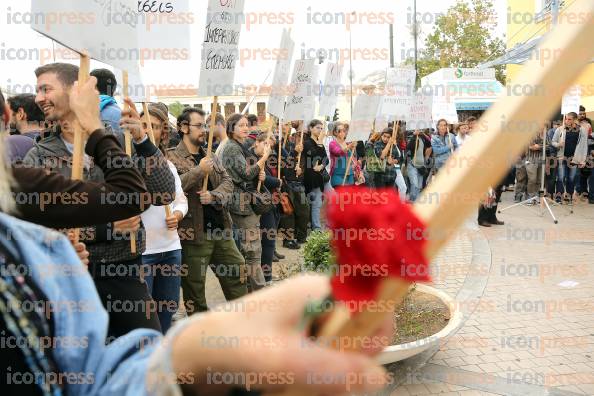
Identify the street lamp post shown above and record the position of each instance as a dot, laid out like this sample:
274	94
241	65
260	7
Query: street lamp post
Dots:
351	65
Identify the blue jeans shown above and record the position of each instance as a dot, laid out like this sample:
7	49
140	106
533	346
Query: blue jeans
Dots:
162	275
566	176
315	201
416	182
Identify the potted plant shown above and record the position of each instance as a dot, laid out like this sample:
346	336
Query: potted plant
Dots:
425	318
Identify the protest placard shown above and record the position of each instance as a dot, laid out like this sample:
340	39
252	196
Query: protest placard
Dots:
330	90
220	47
103	30
280	80
364	114
398	94
421	114
571	100
304	87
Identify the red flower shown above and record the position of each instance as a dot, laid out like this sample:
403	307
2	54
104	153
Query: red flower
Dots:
374	235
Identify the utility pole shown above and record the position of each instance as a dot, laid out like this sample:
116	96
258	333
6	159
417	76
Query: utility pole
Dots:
351	64
415	33
391	45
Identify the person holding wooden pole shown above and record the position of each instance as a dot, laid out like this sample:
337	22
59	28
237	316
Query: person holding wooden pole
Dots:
295	224
206	232
418	151
341	154
162	259
114	267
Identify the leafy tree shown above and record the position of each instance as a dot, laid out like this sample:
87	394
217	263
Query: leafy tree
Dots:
176	109
462	38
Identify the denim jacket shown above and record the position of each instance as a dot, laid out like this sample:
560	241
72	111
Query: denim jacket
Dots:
441	148
135	364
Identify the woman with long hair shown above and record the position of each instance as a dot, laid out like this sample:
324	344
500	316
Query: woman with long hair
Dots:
245	171
315	175
269	220
443	144
340	154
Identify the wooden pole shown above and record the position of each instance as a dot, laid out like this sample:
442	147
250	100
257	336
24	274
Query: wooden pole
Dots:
348	166
147	119
128	144
280	145
77	155
78	151
213	123
301	125
151	133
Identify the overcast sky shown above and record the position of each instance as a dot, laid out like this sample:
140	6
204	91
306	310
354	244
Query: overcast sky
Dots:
307	36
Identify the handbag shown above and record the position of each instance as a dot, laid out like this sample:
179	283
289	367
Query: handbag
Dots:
374	164
325	176
286	205
260	201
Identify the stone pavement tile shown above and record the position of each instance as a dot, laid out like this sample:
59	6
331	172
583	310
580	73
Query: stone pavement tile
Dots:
490	358
472	367
579	367
437	388
562	369
508	365
570	388
472	359
455	362
400	391
558	359
417	389
489	367
588	389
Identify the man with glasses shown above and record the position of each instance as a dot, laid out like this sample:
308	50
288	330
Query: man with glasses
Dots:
205	233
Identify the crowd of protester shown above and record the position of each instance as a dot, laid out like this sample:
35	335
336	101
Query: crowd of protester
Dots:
154	222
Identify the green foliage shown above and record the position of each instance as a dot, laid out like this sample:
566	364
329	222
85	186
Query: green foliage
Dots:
462	38
176	109
317	253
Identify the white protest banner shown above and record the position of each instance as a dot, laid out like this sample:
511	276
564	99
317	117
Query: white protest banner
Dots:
329	94
421	114
280	81
399	92
572	100
220	47
444	107
304	86
164	31
364	114
103	30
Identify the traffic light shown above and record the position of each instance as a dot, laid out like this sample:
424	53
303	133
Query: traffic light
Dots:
336	116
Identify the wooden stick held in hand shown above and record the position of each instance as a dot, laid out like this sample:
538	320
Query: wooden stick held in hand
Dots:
213	123
78	151
128	144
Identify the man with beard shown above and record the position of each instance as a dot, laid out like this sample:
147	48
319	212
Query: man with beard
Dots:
27	118
205	233
113	265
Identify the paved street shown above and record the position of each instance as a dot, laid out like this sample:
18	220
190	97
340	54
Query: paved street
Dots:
530	328
527	295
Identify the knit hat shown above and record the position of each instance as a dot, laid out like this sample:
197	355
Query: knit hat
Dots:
158	110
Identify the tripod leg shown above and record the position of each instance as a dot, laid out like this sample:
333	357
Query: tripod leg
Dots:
545	203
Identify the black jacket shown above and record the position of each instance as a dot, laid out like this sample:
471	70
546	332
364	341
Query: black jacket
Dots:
313	154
